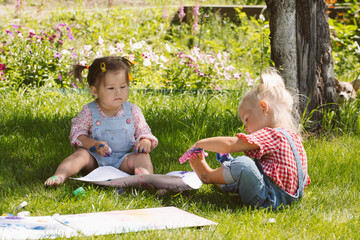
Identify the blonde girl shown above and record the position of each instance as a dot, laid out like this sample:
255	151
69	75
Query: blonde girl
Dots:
109	131
273	172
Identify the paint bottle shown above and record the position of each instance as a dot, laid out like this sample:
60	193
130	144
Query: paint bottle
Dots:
79	191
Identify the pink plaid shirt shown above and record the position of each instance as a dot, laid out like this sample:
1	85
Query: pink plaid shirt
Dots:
82	125
277	158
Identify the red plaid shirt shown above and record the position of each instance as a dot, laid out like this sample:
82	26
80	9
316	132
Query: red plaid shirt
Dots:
277	158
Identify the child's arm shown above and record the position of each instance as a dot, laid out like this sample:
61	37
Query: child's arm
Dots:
225	144
143	135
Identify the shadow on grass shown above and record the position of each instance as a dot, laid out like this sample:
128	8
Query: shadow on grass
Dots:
208	197
33	149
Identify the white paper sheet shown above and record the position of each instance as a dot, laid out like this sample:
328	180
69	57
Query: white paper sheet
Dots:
176	180
98	223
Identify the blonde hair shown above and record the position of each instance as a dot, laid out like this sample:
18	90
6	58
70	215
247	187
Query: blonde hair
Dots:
272	89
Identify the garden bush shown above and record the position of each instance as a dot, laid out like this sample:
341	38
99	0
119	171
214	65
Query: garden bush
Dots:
39	52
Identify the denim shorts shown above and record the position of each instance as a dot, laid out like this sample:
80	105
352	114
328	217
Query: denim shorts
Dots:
114	160
255	188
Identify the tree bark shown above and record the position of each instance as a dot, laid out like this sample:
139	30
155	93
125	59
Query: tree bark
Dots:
283	43
304	54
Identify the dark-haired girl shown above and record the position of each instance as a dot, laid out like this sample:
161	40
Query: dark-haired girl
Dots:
109	131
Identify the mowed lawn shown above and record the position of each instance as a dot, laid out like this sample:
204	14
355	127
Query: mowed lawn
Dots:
34	130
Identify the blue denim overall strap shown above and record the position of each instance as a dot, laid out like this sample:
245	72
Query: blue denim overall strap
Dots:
301	176
118	132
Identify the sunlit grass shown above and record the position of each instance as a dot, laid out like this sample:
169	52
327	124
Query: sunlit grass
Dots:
34	138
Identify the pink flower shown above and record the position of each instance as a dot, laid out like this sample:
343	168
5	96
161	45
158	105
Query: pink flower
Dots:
31	33
249	80
2	67
236	75
196	9
165	13
60	77
57	55
196	25
74	85
181	11
196	14
71	37
131	57
9	32
83	63
74	56
18	4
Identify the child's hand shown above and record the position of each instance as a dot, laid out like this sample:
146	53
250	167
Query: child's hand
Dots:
143	146
101	148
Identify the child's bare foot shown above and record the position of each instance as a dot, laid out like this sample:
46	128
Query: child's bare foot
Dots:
54	181
205	172
140	171
200	166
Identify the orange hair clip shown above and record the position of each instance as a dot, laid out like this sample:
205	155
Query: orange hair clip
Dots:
87	66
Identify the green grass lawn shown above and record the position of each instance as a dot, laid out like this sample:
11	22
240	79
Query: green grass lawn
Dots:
34	130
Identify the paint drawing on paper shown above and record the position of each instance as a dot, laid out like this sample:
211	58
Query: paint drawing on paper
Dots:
98	223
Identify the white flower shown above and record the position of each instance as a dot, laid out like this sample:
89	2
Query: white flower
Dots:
229	68
120	47
98	54
137	45
210	59
101	41
167	47
262	18
131	57
147	62
65	52
163	58
87	48
112	50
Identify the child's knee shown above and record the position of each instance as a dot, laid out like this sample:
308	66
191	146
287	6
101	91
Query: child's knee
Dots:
242	166
248	180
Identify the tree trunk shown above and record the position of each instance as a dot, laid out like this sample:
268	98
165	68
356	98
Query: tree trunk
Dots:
301	49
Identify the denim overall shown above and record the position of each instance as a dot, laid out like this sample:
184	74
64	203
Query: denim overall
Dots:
118	132
256	188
